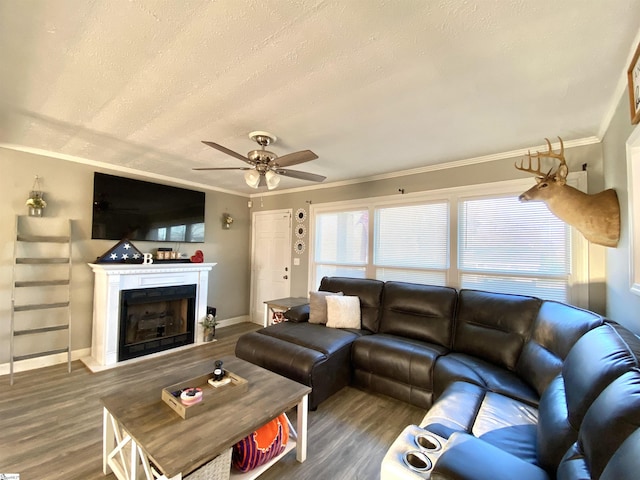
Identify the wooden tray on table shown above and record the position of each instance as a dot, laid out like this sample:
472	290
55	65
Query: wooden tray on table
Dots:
211	395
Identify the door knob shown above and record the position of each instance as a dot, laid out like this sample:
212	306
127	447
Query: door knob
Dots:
285	277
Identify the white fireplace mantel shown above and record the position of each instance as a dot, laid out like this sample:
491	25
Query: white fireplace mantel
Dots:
111	279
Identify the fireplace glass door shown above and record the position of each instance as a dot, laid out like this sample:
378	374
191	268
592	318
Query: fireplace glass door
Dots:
156	319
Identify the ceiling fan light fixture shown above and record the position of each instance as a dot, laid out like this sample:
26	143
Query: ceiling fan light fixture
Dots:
266	168
272	178
252	177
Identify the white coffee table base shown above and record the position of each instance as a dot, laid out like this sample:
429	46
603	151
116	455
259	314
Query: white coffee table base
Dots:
123	456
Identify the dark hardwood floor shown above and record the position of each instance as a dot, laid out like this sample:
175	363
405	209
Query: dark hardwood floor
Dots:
51	421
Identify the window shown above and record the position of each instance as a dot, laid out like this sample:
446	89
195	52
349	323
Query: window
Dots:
473	237
341	244
411	243
511	247
176	233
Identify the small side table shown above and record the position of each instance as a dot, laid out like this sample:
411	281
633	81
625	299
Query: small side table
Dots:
281	305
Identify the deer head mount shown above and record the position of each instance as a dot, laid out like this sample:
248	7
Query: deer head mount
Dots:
596	216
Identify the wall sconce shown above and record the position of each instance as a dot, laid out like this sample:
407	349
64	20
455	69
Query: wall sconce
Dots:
227	220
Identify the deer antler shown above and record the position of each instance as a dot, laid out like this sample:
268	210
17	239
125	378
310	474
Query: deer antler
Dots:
550	154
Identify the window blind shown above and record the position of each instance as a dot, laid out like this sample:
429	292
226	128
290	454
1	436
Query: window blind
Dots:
341	245
342	237
508	246
412	241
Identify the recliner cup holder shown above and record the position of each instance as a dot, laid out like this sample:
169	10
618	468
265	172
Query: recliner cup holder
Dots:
417	461
427	442
413	455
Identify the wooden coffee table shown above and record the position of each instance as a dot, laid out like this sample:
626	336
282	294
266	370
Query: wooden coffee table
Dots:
140	429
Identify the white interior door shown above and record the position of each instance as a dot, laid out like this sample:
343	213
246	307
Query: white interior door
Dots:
270	259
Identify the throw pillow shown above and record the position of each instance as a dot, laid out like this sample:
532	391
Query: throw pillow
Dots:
318	306
343	312
259	447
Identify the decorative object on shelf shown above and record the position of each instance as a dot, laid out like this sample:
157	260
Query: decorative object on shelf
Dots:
163	253
209	325
168	255
299	247
301	215
227	220
633	76
36	202
123	252
218	371
197	257
191	396
301	231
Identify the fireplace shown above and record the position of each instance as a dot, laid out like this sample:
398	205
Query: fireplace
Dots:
111	280
156	319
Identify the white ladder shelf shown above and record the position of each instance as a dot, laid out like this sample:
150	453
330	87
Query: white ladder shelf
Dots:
41	284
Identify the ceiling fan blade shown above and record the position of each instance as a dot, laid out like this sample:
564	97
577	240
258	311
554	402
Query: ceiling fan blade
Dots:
300	175
223	168
295	158
227	151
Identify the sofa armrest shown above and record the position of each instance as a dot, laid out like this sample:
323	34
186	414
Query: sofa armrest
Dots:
298	313
482	461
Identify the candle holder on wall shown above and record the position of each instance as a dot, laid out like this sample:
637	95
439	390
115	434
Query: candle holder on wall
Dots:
227	220
36	202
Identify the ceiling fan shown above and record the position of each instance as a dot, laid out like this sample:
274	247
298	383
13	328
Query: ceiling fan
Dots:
266	167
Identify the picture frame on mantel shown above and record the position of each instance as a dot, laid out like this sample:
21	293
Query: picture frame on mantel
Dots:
633	76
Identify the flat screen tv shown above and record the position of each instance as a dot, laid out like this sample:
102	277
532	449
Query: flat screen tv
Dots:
138	210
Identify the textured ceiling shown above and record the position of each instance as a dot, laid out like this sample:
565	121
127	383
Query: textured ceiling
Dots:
371	86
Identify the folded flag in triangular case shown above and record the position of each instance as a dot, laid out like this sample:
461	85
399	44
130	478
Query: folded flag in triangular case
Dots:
123	252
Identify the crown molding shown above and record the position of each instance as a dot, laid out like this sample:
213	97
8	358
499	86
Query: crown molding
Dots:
116	168
343	183
432	168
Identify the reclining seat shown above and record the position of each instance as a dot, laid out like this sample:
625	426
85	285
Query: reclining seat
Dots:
609	422
598	358
541	436
497	398
416	326
483	461
314	355
492	330
595	401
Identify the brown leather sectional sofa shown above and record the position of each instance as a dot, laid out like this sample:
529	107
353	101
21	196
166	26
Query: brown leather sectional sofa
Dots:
518	385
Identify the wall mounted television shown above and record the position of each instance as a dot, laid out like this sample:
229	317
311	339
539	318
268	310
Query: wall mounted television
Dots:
139	210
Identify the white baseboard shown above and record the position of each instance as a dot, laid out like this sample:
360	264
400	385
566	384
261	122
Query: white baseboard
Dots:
33	363
233	321
84	354
94	366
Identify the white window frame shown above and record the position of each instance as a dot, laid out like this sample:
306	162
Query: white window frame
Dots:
336	207
633	186
578	286
373	267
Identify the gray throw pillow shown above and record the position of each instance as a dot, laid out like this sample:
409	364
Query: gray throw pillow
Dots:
318	306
